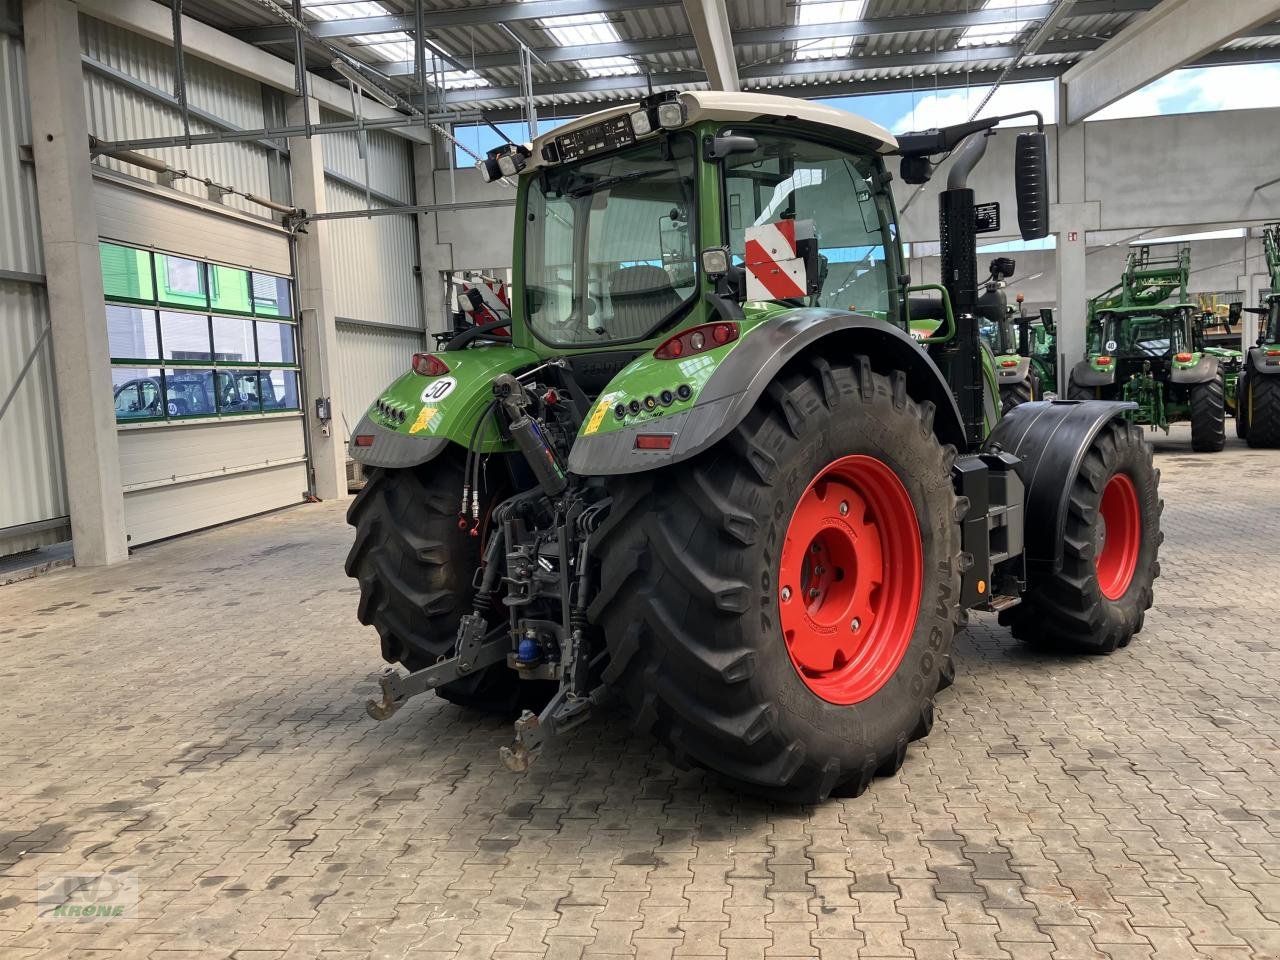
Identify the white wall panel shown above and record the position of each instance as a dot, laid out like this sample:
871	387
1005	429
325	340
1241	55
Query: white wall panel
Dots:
19	215
116	112
167	511
373	262
31	472
177	453
368	361
390	159
145	217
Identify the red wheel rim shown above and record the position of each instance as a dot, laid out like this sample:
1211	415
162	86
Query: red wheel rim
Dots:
850	579
1119	536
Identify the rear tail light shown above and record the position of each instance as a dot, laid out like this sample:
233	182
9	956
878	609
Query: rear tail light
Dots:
1182	357
1104	361
698	339
429	365
654	441
1008	363
1273	353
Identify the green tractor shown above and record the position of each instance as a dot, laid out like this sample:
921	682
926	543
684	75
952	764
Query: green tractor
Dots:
712	474
1144	347
1023	352
1258	388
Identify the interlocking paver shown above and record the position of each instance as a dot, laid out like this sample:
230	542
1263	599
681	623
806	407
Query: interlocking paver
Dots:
194	717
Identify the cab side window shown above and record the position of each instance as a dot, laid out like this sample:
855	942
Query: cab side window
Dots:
786	178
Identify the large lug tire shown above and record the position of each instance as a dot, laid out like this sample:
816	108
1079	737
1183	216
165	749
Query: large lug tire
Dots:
1097	601
1208	416
1022	392
1264	411
1077	392
415	569
696	560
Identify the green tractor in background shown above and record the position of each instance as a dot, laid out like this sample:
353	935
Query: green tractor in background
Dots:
1143	345
1258	390
711	473
1024	351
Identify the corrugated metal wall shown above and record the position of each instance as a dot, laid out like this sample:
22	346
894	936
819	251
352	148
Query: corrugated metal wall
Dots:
373	262
31	471
390	159
117	112
368	360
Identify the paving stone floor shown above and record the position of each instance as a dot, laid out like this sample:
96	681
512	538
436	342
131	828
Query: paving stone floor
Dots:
192	722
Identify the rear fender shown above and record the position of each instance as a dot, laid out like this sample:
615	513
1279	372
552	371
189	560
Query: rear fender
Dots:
733	379
1085	375
436	410
1202	371
1050	439
1258	361
1007	376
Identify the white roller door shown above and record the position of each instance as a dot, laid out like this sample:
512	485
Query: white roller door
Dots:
205	362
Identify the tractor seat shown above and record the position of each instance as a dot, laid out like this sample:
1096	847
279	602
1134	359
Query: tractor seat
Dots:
642	298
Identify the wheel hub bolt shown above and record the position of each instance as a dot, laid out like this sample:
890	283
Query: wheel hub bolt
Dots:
819	571
786	594
856	625
844	508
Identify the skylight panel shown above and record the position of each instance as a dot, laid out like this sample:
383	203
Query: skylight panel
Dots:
816	12
994	34
584	30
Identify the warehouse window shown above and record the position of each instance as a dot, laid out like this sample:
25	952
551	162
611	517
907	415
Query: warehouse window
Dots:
186	340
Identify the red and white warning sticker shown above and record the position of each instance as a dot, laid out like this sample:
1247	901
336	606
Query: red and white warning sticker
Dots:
774	271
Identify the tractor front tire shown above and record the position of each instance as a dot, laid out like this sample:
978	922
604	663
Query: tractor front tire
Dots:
1208	416
780	609
415	567
1264	411
1096	602
1017	393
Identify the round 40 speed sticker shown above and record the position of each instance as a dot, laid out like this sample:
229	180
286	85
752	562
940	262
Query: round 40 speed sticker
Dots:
438	389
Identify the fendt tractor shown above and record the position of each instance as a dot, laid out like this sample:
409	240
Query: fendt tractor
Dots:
1143	345
1258	389
711	472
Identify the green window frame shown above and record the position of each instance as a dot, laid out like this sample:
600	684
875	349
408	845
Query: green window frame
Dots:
220	315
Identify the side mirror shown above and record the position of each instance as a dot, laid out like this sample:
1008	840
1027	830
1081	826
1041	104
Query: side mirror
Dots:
1046	318
717	148
1031	184
1234	312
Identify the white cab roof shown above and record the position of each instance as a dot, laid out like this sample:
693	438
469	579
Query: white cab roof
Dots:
742	107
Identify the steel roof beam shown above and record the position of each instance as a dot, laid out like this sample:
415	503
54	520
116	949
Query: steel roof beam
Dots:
709	21
460	17
1174	34
791	34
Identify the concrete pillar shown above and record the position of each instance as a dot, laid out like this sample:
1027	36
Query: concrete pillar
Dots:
69	232
436	258
317	328
1071	217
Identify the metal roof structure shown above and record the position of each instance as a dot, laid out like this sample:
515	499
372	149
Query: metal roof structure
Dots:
583	55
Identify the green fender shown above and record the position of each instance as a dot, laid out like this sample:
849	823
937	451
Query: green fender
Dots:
417	417
726	382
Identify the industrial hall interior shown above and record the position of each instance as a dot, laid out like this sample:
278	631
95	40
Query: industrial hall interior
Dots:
649	479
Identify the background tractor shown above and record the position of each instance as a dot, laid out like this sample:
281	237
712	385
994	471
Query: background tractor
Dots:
1143	346
1258	389
712	473
1023	351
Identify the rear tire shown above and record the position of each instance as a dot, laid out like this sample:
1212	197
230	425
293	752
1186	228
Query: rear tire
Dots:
1208	416
1242	408
1097	601
692	601
1016	393
1076	392
415	566
1264	411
